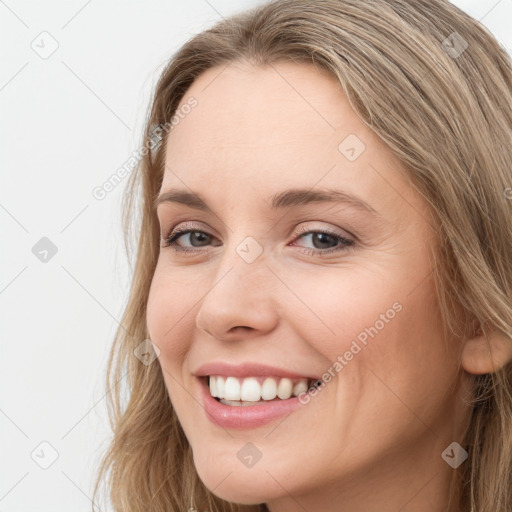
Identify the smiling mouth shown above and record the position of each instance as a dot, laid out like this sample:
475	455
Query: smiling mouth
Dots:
247	391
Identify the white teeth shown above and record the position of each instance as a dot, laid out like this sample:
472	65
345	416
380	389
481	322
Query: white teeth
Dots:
232	389
285	388
213	387
269	389
249	390
239	403
220	386
300	387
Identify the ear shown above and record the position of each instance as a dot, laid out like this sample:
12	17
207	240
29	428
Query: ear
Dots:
486	353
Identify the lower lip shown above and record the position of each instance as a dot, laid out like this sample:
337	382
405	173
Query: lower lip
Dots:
250	416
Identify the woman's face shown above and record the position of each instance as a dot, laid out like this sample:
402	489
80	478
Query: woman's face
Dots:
338	287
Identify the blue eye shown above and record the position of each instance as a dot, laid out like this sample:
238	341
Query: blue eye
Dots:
198	239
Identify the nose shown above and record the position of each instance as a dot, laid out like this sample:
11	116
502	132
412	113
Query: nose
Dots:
241	301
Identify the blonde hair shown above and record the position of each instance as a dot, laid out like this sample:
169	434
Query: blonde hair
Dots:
436	86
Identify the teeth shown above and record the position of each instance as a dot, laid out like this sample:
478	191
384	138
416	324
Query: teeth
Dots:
213	387
220	386
235	391
285	388
269	389
239	403
232	389
300	387
250	390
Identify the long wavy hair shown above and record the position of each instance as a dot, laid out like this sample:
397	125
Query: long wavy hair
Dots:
435	86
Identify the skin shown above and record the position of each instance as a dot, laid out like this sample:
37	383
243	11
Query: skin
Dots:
372	438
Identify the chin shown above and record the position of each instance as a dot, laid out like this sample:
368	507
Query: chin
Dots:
234	483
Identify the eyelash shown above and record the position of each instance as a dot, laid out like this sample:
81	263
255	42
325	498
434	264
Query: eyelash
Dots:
347	244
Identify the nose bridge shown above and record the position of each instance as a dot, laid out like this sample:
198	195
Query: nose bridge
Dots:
240	294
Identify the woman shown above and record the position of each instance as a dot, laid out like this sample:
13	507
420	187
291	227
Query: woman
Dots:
323	269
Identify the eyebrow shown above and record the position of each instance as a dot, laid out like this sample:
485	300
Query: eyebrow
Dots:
285	199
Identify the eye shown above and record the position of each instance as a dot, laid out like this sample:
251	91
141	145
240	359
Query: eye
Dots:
322	237
196	238
324	241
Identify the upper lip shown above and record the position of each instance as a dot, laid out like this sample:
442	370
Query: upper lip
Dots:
246	370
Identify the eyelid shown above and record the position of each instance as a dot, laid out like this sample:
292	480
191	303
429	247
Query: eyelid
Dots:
184	226
188	227
335	231
296	232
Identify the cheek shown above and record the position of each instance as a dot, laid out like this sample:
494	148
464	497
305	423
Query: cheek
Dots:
333	308
378	324
167	316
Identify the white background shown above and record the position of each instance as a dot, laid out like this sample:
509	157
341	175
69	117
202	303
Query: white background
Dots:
67	123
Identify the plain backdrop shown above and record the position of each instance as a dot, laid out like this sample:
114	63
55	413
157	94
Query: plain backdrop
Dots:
75	81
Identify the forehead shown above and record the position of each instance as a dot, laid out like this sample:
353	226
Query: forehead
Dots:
246	106
258	129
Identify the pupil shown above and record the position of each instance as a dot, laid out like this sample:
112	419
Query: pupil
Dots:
197	235
319	237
